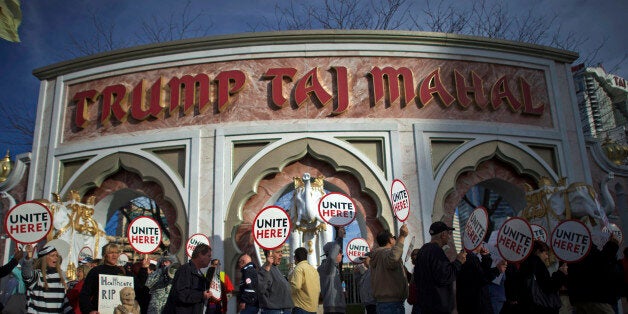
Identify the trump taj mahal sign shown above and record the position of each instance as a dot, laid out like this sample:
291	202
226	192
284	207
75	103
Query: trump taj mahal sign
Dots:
159	97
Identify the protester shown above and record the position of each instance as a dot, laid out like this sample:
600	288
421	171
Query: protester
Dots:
225	287
273	288
189	287
330	281
247	292
362	277
88	298
7	269
592	282
305	284
434	274
142	293
388	277
75	291
472	284
44	282
159	283
535	268
413	292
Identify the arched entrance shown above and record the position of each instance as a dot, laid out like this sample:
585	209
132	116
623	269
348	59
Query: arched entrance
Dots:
117	179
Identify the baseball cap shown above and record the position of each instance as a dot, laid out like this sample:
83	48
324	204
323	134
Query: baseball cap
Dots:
439	227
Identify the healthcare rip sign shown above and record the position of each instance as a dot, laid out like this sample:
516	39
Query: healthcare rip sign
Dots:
28	222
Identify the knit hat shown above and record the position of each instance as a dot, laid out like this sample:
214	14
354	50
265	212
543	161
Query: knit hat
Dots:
331	248
46	250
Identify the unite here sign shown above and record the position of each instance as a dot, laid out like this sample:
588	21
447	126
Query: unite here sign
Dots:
571	241
514	240
271	227
28	222
337	209
400	200
144	234
356	248
475	229
194	241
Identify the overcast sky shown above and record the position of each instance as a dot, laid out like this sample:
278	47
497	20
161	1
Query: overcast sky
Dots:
47	27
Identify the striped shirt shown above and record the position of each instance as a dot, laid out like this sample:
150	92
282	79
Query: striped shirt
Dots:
40	300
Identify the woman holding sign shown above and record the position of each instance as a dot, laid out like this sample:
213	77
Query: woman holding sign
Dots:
44	281
534	269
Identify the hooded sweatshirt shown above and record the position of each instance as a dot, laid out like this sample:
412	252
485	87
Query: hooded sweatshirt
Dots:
331	285
388	277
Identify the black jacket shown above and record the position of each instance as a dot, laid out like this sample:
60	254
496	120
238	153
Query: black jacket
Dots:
186	294
534	266
472	295
594	278
248	285
434	276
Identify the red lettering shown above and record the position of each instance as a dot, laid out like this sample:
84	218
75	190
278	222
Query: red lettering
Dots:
277	77
229	83
82	99
309	84
432	85
113	100
393	77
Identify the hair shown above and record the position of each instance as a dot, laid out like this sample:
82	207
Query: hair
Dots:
300	254
200	249
85	268
267	252
384	237
42	265
110	247
539	246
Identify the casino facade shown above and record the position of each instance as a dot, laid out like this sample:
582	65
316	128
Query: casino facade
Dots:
215	129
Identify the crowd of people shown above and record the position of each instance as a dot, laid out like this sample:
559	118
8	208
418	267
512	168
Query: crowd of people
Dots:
470	283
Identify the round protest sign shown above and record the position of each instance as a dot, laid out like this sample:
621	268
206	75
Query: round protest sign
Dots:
616	232
123	259
144	234
193	241
337	209
571	241
400	200
539	233
356	248
271	227
475	229
85	254
28	222
514	240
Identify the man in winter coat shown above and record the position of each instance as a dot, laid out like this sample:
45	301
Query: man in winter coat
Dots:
273	288
331	284
434	274
189	291
388	277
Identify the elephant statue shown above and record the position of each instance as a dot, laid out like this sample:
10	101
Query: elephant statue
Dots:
309	231
549	205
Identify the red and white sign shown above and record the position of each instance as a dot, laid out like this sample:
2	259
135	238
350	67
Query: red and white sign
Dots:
337	209
193	241
84	253
514	240
356	248
615	231
28	222
475	229
400	200
271	227
539	233
144	234
571	241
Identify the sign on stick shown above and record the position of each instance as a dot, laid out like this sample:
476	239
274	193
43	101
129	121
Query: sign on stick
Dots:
337	209
144	234
475	229
539	233
356	248
193	241
514	240
571	241
400	200
271	227
28	222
